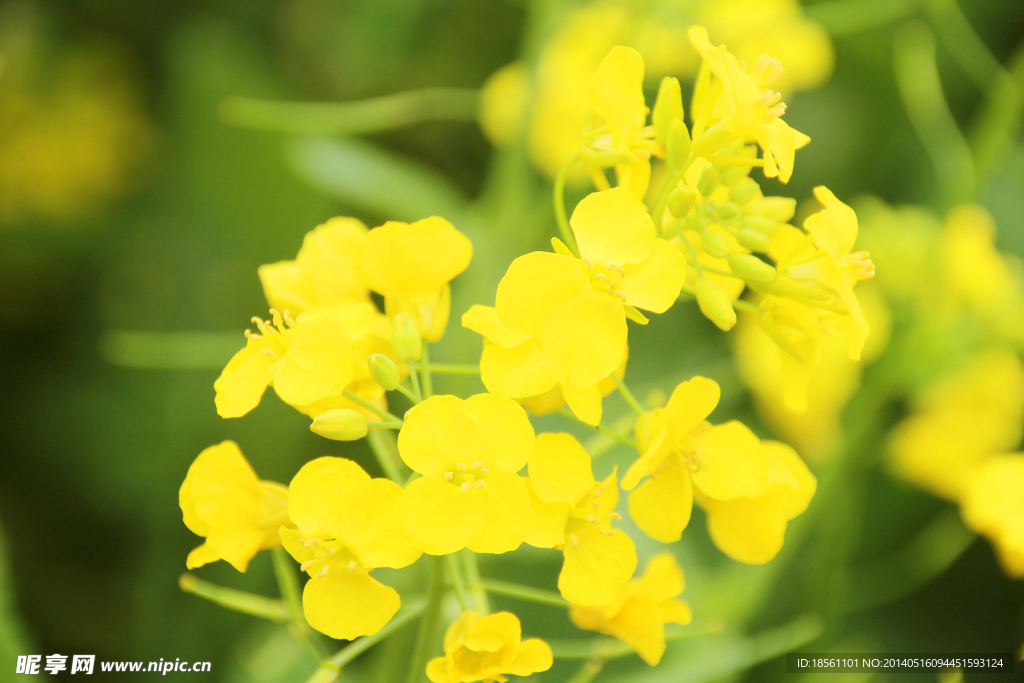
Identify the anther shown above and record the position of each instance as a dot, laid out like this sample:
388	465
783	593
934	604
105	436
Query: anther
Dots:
484	471
592	519
477	464
323	572
479	484
461	466
306	565
587	263
310	541
596	503
288	318
575	541
613	515
249	334
622	295
352	566
606	532
448	476
465	486
269	352
329	551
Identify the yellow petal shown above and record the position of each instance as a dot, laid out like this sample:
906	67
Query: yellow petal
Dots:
748	530
345	605
782	148
400	258
292	539
654	283
661	506
652	432
733	462
536	285
516	372
358	319
691	403
440	517
676	612
484	320
372	527
326	256
616	93
437	670
560	469
534	655
505	430
612	228
234	530
597	566
508	517
639	624
585	402
201	555
790	485
318	364
550	520
317	495
437	434
662	579
586	338
286	287
243	380
834	230
635	177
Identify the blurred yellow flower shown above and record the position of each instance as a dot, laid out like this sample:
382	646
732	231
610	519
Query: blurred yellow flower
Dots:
503	100
513	365
468	453
478	648
575	512
410	265
680	449
975	273
347	525
993	505
578	307
751	528
639	612
222	500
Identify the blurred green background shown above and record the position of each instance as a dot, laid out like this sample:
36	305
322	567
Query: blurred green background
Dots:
128	272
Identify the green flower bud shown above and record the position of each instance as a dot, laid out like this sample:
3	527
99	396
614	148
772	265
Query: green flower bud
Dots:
405	337
710	142
752	239
791	288
667	108
715	304
731	175
745	191
765	226
727	211
708	181
751	269
339	424
678	144
383	371
714	244
778	209
681	201
693	222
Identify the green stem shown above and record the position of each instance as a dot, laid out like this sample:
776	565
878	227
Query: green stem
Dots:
628	395
239	601
428	625
382	414
528	593
351	118
428	379
479	593
559	197
694	261
658	213
383	444
997	124
843	17
963	42
456	576
284	571
607	431
383	425
453	368
414	377
588	671
716	271
600	444
408	394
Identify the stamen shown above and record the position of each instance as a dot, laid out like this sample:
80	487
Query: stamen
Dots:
477	464
606	532
587	263
309	541
596	503
574	540
269	352
484	471
323	572
592	519
613	515
288	318
249	334
479	484
622	295
448	476
465	486
461	466
306	565
329	551
352	566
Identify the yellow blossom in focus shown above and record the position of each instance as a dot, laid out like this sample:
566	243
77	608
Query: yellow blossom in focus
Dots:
965	418
993	505
305	360
513	365
575	512
751	528
681	450
639	612
578	307
468	453
222	500
478	648
410	265
347	525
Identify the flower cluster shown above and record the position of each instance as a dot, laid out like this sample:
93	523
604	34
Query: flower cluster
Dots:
479	479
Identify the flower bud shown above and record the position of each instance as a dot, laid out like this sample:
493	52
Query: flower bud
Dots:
405	337
681	201
751	268
710	142
792	288
727	211
708	181
731	175
752	239
383	371
678	145
765	226
667	108
744	192
779	209
714	244
715	304
339	424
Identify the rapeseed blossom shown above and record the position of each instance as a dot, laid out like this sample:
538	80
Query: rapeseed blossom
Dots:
345	526
486	648
993	506
468	453
222	500
639	612
578	307
574	512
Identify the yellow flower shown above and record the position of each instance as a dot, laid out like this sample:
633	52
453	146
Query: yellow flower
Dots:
639	612
578	307
682	450
480	648
974	271
503	99
468	453
410	265
967	417
574	511
513	365
735	106
305	360
347	525
751	528
222	500
322	274
993	505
